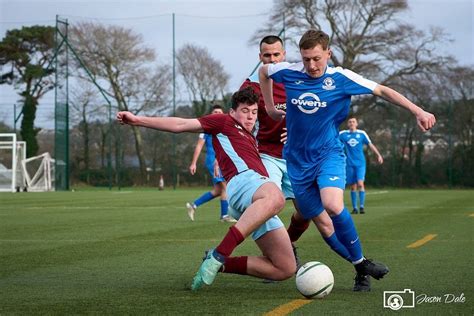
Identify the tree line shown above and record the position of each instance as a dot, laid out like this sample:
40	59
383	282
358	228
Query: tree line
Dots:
366	36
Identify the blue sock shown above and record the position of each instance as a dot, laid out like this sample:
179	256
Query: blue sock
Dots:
362	198
347	234
224	207
206	197
337	246
354	199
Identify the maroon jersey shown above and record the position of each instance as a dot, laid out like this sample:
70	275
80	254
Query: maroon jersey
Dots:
269	131
236	149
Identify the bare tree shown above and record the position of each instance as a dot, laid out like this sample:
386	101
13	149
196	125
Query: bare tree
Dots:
117	57
204	76
84	102
366	36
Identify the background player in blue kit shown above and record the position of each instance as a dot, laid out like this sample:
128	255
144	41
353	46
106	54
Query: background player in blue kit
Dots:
318	101
354	140
218	181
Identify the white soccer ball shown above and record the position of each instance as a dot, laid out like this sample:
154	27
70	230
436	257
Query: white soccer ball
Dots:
314	280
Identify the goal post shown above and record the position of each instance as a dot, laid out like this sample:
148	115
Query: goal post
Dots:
39	173
8	162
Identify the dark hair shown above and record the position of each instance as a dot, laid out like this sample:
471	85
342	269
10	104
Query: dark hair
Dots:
244	96
271	39
312	38
217	106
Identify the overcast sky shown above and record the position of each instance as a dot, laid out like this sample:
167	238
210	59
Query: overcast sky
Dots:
223	27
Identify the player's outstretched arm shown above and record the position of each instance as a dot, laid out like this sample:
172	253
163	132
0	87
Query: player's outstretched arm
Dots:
266	88
166	124
424	119
197	152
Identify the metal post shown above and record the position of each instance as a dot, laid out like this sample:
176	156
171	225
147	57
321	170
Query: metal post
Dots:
14	117
450	145
109	152
174	105
67	109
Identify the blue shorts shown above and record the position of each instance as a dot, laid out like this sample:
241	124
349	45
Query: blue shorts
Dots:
355	173
215	180
276	168
308	181
240	191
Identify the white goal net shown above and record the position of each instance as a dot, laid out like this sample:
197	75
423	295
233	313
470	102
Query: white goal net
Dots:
39	173
12	152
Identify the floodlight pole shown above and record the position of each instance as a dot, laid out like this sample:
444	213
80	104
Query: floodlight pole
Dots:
174	105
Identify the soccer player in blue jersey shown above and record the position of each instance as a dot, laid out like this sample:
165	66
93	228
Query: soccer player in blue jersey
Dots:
354	140
218	181
318	101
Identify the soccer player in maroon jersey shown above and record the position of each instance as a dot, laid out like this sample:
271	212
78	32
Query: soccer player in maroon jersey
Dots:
254	198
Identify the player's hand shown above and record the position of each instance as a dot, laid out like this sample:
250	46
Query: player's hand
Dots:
380	160
425	120
192	168
126	117
277	115
283	136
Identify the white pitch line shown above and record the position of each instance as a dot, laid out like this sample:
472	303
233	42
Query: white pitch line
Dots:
101	240
100	207
376	192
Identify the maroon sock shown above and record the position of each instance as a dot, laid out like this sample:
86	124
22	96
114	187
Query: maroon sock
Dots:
237	265
297	228
231	240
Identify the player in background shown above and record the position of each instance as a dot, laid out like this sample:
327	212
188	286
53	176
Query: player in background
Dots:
354	140
270	144
318	101
250	192
219	184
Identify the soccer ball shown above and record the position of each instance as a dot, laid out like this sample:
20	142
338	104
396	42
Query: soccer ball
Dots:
314	279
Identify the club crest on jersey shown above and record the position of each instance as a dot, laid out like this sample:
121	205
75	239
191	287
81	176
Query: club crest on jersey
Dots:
308	103
328	84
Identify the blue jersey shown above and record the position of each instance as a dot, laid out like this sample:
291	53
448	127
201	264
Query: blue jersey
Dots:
210	154
354	144
315	107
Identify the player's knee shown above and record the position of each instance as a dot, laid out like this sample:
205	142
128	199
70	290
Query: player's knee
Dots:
278	201
333	207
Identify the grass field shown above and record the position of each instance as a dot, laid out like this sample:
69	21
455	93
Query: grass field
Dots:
135	252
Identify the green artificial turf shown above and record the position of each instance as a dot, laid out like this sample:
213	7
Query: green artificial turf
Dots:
136	252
